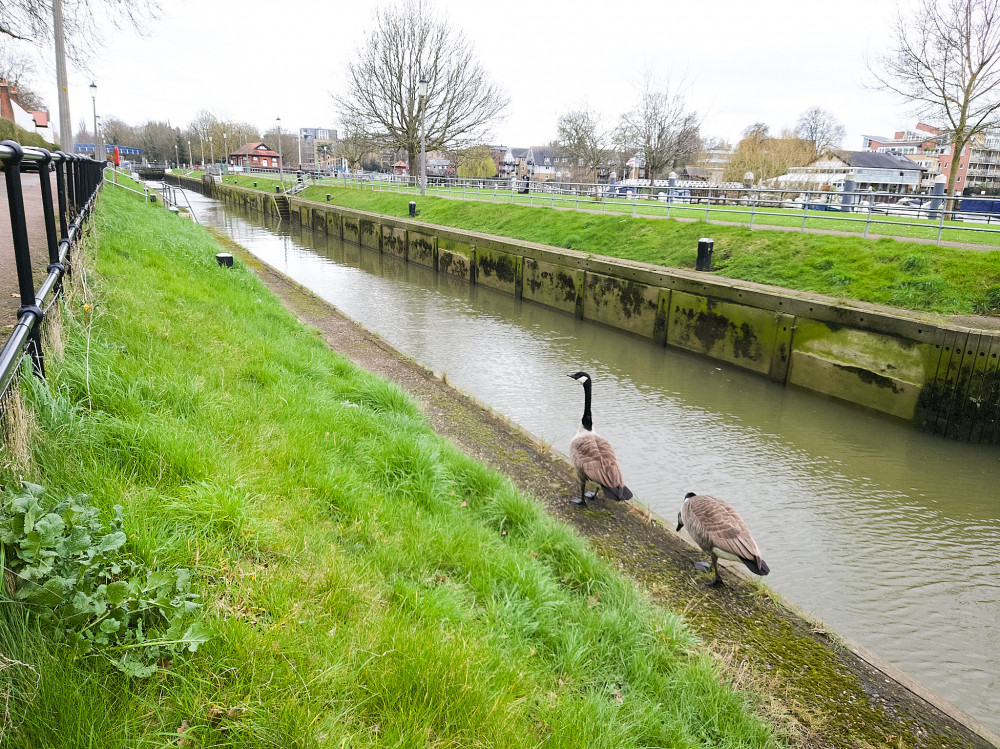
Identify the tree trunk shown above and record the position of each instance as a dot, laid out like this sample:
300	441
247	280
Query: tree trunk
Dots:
957	146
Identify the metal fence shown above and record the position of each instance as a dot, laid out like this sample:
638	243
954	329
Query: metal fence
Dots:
78	180
923	217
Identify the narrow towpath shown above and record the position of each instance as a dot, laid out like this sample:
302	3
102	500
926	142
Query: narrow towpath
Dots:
823	693
10	299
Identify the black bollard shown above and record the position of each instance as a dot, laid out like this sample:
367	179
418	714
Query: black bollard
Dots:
224	259
328	197
704	261
413	209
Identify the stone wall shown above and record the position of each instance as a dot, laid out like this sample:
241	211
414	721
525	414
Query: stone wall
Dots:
939	377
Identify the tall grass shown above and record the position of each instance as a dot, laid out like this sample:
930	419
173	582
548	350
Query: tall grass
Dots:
901	274
367	584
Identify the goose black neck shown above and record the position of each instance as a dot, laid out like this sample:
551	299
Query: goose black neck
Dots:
588	422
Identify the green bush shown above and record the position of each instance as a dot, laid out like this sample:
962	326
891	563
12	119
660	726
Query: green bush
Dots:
10	131
68	568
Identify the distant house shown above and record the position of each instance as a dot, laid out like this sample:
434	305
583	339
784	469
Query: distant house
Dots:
869	170
541	163
400	167
255	155
26	119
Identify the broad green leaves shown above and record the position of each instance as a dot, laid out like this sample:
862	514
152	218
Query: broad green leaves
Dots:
69	567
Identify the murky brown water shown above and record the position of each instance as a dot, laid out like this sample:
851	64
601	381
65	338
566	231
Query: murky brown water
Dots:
889	535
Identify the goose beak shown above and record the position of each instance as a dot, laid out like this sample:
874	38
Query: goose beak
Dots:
679	526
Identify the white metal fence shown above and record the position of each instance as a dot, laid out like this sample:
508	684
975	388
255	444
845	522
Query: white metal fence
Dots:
925	217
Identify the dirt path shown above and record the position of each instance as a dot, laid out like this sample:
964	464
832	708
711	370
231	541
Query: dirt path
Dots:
824	693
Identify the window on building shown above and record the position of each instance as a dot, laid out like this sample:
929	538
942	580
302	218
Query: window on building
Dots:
265	162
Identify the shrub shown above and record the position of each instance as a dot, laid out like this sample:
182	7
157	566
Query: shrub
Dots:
68	567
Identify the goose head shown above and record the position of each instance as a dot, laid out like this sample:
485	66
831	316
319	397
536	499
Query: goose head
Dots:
680	520
581	377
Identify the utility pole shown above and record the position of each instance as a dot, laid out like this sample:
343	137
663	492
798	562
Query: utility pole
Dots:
65	126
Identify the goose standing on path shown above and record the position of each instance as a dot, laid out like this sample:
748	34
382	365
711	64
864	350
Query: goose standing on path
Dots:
718	529
593	456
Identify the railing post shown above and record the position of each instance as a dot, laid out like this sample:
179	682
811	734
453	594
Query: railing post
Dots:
48	213
22	255
61	193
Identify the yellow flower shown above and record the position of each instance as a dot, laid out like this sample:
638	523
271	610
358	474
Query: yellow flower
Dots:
87	307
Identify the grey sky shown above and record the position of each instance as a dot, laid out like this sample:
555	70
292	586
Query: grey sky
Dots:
742	61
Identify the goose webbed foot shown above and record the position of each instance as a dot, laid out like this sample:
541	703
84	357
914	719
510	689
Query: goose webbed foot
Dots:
579	501
702	566
716	583
589	495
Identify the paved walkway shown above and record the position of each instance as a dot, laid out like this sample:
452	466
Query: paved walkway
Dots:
10	301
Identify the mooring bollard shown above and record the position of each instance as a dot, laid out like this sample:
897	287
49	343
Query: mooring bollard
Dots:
413	209
328	197
224	259
254	184
704	261
277	188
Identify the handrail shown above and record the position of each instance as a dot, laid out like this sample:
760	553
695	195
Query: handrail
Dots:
78	180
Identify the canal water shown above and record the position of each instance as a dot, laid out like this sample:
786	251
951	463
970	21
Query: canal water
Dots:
889	535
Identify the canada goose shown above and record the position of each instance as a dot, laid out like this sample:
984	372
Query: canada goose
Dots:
718	529
593	456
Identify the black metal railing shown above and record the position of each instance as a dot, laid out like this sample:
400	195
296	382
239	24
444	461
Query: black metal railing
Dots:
78	180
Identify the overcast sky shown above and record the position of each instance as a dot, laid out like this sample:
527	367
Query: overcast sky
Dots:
743	61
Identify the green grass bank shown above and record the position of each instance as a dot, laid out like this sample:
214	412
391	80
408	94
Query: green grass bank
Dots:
364	582
908	275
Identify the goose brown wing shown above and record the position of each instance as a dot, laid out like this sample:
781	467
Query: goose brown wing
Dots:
596	458
721	526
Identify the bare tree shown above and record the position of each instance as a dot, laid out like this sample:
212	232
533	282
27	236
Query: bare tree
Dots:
945	61
821	128
580	136
17	68
356	144
31	20
661	129
408	41
119	133
767	157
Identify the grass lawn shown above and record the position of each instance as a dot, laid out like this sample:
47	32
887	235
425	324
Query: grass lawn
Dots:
364	583
912	276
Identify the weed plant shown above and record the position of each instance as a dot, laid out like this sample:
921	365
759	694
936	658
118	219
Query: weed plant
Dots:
365	583
908	275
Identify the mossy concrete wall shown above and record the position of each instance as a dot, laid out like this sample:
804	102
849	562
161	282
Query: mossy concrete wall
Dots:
942	378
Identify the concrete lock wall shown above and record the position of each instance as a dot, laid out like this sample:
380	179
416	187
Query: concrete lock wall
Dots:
941	378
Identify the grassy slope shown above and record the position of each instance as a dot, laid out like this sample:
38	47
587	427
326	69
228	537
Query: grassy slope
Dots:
368	584
902	274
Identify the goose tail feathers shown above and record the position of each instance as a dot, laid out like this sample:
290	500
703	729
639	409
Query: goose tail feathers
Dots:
619	493
757	566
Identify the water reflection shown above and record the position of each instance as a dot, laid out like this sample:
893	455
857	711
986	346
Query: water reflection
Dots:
888	534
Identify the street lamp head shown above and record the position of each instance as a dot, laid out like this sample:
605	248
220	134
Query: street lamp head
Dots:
93	88
422	87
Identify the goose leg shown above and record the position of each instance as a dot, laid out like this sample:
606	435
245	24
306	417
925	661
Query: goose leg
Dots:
715	566
582	499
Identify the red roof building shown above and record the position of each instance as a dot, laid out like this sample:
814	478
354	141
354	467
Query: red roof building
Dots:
257	155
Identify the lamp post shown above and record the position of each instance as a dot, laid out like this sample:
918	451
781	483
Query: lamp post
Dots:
177	157
211	151
300	149
422	91
190	153
93	99
281	176
225	143
201	137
